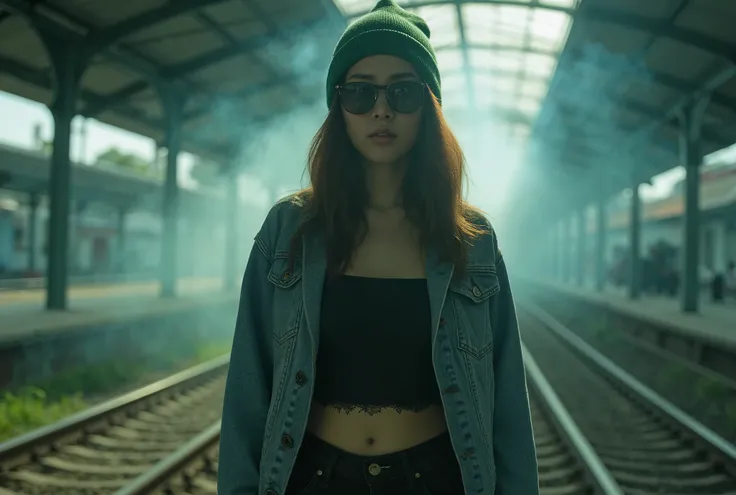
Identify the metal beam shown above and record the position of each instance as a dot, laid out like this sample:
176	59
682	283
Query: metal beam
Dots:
665	29
104	39
120	55
106	102
616	17
90	99
651	113
659	78
716	80
196	64
514	3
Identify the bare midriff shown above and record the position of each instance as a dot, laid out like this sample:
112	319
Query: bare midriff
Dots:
377	432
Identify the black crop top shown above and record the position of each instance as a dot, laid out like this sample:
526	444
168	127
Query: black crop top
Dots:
375	346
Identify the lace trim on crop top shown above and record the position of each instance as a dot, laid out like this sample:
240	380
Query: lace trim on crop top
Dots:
375	348
370	410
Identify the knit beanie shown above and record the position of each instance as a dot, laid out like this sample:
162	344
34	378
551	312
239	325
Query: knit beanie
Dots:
386	30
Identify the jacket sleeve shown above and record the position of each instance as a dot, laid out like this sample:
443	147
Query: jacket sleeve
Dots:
248	387
513	440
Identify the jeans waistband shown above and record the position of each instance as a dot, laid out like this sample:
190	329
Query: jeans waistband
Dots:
434	453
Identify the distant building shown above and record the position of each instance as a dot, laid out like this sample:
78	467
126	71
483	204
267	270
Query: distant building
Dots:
662	219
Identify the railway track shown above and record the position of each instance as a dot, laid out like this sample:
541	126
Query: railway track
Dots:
647	445
104	448
567	463
597	431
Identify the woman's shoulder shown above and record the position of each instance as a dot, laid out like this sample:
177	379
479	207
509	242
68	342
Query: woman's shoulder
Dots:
483	242
283	219
478	221
289	208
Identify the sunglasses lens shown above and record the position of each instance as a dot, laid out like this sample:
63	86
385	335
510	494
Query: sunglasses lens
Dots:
406	96
357	97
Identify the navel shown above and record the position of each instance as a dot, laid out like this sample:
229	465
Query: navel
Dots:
370	440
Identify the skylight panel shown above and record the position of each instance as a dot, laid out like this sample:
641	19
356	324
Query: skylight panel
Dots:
538	65
353	7
442	23
450	60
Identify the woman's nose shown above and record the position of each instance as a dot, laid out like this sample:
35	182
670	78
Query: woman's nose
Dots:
382	110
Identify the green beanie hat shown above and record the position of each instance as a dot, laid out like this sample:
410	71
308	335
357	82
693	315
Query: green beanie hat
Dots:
386	30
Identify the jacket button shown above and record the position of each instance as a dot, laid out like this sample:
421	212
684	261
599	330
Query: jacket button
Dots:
286	275
476	291
301	378
286	441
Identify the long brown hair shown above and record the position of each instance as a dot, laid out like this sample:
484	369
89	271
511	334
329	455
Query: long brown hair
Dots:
432	191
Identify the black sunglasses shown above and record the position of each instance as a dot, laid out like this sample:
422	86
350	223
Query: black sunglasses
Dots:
360	97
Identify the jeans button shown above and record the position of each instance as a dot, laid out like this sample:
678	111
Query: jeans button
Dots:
374	469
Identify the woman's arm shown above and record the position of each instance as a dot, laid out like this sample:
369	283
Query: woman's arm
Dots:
248	389
514	450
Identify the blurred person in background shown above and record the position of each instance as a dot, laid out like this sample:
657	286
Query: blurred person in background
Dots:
377	349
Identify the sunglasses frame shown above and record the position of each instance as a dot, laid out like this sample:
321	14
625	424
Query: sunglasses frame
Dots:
383	87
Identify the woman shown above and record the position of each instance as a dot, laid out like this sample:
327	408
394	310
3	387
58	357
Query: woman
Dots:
376	348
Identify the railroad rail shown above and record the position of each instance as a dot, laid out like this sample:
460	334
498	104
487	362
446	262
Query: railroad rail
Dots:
647	444
102	449
708	354
567	463
597	431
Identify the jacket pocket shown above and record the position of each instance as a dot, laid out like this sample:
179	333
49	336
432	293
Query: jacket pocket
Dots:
287	298
470	298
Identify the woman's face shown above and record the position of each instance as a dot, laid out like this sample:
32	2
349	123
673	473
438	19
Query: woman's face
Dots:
383	135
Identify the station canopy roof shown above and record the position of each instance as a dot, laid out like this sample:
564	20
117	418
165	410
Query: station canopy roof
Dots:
587	79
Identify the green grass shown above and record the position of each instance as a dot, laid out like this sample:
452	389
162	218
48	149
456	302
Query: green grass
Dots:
32	407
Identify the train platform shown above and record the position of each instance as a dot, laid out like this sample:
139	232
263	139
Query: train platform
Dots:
714	323
23	317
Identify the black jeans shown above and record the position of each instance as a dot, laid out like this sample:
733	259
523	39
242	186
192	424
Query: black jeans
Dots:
429	468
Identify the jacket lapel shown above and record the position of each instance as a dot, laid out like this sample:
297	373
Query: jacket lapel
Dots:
313	277
439	274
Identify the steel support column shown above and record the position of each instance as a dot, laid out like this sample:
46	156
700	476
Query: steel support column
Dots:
600	244
691	120
75	238
33	200
635	244
68	68
566	249
231	233
122	214
554	258
581	248
174	106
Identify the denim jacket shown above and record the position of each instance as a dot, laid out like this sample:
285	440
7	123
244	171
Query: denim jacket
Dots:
476	356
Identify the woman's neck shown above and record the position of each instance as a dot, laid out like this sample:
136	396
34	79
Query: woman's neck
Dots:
384	182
